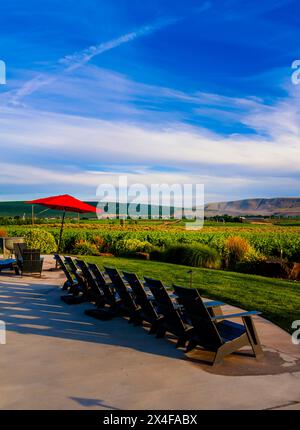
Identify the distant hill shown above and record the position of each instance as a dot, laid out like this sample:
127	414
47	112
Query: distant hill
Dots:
21	209
275	206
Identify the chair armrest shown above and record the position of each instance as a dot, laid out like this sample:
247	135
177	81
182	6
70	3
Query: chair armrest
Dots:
213	304
239	315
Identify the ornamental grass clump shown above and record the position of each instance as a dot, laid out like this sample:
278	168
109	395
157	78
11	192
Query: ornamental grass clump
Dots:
235	248
195	255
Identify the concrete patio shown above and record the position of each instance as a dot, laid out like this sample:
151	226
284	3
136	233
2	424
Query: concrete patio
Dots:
58	358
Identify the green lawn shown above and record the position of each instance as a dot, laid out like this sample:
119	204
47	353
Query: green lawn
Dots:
278	300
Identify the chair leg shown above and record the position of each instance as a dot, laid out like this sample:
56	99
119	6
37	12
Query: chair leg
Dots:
253	337
65	286
153	329
161	331
218	357
181	342
137	320
191	345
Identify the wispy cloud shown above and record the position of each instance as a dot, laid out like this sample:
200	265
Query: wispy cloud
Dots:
76	60
79	59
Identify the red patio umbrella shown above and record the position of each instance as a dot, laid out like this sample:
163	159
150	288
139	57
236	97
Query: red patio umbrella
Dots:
64	203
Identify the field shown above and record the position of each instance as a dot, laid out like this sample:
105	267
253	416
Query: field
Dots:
274	239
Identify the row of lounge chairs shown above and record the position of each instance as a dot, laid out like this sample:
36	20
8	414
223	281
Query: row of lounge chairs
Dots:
183	313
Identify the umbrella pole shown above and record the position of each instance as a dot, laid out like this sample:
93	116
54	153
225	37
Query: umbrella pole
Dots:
60	234
61	230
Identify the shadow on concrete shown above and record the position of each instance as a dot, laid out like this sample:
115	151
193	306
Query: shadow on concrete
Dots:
89	403
38	309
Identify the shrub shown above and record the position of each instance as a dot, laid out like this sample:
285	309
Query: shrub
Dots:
236	248
129	246
70	239
3	232
196	255
252	262
141	255
40	239
101	244
157	254
253	256
83	247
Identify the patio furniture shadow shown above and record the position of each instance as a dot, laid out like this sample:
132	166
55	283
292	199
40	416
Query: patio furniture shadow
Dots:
37	309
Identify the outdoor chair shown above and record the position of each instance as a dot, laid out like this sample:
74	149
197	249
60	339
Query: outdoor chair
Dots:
71	283
81	293
74	270
215	333
19	247
214	307
31	262
105	286
107	309
148	311
127	302
172	320
9	264
95	293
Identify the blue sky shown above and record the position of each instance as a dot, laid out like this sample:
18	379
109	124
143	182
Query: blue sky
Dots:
162	91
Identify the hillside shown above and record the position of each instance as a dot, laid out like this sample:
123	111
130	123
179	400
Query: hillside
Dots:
275	206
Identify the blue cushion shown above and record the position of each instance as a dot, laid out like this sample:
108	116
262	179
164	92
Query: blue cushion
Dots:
7	262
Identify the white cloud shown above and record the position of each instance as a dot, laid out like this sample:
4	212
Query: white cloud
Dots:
93	141
74	151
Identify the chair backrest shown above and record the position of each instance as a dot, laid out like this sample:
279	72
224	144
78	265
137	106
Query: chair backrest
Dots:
19	247
121	288
31	261
101	282
31	255
64	268
165	304
140	295
73	269
88	277
199	316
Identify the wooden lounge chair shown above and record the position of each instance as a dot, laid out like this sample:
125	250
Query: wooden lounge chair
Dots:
95	293
31	262
74	271
127	304
105	286
172	320
81	293
214	307
215	333
108	309
71	283
148	312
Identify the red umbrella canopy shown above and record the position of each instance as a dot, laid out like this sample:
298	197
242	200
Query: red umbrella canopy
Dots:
65	203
